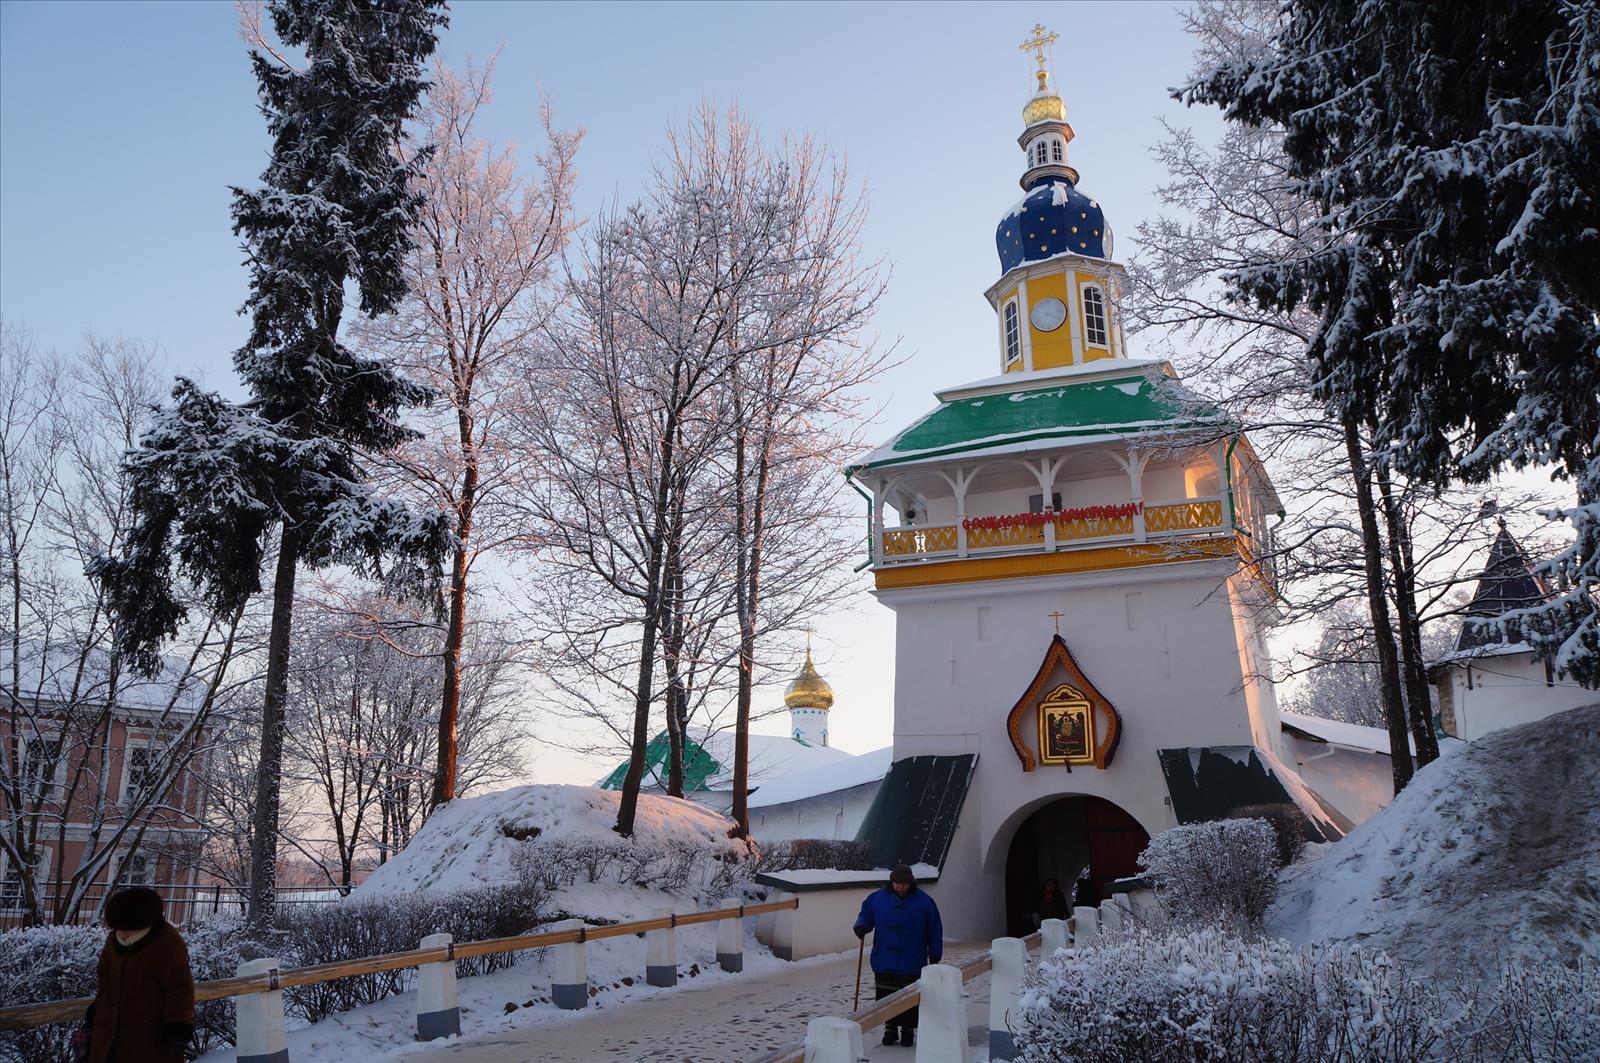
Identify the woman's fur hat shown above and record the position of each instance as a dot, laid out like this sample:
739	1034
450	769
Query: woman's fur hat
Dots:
134	908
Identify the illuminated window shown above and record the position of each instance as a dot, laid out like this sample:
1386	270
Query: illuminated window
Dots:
1013	333
1094	318
1055	151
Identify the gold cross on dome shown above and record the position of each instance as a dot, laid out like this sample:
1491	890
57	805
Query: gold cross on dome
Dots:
1037	44
1057	617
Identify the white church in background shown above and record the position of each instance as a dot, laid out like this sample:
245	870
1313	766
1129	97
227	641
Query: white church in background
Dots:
1070	545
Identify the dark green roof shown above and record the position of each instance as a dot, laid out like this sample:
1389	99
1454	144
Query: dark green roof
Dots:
913	816
1134	403
698	765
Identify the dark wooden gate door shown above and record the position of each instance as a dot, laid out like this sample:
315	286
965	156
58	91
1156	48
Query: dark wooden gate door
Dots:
1115	842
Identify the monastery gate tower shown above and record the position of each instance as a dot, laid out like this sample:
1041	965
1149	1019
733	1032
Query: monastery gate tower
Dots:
1069	545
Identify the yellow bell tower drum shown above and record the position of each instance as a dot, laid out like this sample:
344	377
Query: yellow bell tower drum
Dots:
1073	548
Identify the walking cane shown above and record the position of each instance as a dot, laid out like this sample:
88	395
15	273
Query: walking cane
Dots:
860	952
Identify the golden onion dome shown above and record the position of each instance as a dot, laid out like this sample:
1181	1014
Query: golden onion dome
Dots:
808	690
1044	107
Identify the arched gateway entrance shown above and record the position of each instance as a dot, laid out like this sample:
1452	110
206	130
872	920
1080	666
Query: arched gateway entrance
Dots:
1063	840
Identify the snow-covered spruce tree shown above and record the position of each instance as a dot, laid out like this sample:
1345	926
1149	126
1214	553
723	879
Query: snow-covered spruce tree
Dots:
212	480
1456	154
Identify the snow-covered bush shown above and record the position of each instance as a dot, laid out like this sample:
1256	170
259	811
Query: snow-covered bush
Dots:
1291	828
1224	872
1205	996
829	853
676	865
45	963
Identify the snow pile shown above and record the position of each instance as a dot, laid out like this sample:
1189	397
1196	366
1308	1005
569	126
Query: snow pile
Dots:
1491	854
474	842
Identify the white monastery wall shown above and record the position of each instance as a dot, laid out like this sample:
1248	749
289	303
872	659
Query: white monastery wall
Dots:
1506	690
1356	782
835	815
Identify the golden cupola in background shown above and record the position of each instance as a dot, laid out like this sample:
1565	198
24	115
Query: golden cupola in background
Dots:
809	698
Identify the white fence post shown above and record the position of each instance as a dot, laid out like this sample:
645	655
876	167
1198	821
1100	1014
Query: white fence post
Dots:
569	969
661	951
1111	918
1085	925
730	944
1010	958
438	1005
831	1040
783	930
942	1023
259	1033
1052	936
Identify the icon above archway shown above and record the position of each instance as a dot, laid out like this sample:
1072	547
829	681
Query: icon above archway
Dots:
1069	721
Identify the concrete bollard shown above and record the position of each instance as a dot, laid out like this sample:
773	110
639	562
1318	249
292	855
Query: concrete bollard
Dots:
569	969
783	934
661	952
942	1025
1110	918
259	1033
730	944
1010	957
1053	935
831	1040
438	1005
1085	925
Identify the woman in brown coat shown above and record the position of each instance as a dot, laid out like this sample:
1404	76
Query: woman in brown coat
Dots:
143	1010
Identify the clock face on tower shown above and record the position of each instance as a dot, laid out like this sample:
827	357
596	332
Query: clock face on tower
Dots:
1048	314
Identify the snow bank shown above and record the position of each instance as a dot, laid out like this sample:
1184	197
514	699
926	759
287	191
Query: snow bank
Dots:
1490	854
470	841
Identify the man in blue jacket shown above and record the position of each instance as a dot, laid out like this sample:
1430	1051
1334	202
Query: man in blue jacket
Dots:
908	936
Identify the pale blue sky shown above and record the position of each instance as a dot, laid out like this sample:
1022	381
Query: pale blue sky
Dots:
122	125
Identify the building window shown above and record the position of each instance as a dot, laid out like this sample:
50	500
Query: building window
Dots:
11	884
1039	153
1055	151
41	767
134	870
1036	502
1094	318
138	773
1013	333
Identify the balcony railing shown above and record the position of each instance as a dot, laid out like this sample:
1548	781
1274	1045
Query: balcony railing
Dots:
1042	533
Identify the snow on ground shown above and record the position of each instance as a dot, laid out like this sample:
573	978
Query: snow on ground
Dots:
1490	853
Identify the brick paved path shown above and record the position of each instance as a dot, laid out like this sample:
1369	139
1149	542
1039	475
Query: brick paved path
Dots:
729	1022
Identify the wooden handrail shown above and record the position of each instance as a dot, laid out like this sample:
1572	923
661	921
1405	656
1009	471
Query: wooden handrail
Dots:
881	1011
47	1012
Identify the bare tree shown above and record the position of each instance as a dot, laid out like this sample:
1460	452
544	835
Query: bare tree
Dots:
479	290
67	705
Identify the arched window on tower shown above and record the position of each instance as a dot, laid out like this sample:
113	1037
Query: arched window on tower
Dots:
1040	153
1094	318
1055	150
1013	333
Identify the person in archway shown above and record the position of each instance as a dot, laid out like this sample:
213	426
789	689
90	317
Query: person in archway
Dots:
907	935
1052	903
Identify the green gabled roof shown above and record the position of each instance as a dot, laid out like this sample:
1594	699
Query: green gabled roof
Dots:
1091	407
698	765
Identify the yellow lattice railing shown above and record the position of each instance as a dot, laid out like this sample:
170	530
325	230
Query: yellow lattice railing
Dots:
910	542
979	538
1200	515
1092	527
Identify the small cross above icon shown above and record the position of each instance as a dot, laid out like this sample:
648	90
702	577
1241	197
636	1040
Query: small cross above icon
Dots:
1057	617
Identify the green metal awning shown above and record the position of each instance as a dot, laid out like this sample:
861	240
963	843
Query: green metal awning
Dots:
1131	404
913	816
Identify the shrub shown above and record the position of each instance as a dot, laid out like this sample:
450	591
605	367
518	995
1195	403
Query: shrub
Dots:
829	853
1221	873
45	963
1204	996
1291	828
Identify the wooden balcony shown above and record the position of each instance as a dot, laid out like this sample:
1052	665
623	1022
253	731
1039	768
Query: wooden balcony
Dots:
1074	540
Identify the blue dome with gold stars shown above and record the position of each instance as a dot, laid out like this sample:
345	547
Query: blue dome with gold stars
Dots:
1053	218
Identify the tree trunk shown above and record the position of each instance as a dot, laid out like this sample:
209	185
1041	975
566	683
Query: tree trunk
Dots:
269	768
444	778
672	650
1394	713
1419	699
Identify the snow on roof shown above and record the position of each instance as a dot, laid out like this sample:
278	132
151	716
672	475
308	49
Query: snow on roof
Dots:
469	841
1354	735
61	672
1488	855
824	779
